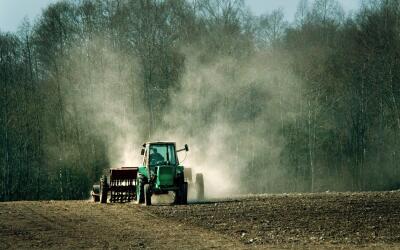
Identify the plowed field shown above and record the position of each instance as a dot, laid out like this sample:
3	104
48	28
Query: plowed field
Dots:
328	220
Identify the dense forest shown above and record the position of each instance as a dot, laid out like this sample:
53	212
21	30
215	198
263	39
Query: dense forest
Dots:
265	105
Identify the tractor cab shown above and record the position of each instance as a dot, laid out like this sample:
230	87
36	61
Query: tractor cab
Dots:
160	172
158	154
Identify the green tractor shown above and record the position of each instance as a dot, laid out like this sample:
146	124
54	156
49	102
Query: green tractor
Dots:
159	173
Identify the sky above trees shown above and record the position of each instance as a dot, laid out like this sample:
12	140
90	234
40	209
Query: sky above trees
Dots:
13	12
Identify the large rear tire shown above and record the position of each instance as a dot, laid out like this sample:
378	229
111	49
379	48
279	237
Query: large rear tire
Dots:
181	194
200	186
103	189
184	193
147	194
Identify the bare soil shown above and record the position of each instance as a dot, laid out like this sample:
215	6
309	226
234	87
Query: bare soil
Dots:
328	220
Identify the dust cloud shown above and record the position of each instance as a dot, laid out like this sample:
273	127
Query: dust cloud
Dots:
231	114
104	99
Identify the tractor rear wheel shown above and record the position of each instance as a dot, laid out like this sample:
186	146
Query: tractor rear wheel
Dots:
184	193
103	189
147	194
181	194
200	186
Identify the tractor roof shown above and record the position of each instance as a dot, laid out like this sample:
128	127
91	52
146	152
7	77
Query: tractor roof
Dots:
158	142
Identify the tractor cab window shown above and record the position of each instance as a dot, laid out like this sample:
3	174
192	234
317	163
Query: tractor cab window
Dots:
162	154
145	158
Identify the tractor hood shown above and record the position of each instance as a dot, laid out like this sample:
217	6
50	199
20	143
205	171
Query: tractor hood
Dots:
165	175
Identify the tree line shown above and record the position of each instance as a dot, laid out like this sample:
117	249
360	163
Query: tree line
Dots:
338	128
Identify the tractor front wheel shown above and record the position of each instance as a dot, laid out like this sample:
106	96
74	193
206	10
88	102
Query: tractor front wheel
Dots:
177	198
147	194
139	191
